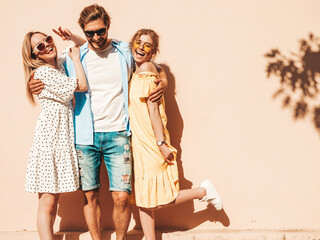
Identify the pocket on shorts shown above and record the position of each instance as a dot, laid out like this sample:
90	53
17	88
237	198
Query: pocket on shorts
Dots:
123	133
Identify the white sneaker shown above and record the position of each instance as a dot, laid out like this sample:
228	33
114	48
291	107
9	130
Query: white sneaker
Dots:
212	196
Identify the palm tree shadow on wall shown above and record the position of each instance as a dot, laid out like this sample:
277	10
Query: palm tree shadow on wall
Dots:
299	76
183	216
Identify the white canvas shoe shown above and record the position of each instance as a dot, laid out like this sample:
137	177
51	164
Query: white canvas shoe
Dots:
212	196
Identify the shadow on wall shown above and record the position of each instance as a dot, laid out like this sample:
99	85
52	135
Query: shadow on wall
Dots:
181	217
71	207
299	77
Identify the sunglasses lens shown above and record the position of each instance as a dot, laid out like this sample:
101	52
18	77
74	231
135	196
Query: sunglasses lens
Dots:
101	31
40	47
136	45
89	33
147	48
48	39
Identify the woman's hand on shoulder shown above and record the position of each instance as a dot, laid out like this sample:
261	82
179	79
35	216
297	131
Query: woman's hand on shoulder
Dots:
74	53
167	154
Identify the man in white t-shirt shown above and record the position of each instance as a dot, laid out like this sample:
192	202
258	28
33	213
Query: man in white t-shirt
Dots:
101	120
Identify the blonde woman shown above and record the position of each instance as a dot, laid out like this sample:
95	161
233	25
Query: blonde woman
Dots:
156	182
52	166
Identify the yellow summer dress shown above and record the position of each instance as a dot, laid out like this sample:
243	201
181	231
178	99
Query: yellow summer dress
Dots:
155	182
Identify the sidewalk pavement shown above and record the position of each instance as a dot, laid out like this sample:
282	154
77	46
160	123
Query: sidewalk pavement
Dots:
226	234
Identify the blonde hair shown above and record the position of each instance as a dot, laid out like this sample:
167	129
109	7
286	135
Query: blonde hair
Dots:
154	36
92	13
30	62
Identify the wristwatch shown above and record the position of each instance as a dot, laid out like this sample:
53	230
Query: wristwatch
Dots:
159	142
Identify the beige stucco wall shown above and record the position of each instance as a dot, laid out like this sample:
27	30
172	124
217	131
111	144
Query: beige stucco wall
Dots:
222	117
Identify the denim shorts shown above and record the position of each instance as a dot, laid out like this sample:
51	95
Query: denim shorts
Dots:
114	148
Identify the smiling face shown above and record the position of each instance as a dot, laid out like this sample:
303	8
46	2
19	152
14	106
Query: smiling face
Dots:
142	49
99	40
50	52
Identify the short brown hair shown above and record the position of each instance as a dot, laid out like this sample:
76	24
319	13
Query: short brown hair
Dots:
154	36
92	13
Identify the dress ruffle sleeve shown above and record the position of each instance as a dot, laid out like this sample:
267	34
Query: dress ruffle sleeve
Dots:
62	58
147	84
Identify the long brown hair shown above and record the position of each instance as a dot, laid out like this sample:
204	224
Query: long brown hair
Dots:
30	62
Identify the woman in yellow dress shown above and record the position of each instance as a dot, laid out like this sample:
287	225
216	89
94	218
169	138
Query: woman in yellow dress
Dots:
156	182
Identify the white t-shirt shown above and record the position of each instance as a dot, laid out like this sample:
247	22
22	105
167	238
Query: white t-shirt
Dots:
105	88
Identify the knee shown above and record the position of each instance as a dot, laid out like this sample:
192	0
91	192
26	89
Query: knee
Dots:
91	197
47	204
48	208
120	199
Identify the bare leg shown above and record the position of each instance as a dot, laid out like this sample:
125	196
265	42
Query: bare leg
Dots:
147	223
54	213
121	214
147	215
46	214
189	194
186	195
92	213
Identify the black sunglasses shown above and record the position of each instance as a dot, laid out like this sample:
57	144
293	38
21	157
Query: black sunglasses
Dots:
100	32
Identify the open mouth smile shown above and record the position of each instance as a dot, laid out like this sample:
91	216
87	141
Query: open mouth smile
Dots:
48	50
142	54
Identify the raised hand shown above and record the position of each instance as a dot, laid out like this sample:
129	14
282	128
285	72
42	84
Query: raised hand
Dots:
65	33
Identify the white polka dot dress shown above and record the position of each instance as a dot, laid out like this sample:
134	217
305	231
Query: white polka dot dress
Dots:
53	165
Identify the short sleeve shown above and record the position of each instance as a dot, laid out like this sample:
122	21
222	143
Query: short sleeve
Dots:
62	59
147	85
57	86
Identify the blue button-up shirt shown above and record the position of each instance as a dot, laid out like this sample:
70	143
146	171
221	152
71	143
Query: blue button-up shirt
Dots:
83	118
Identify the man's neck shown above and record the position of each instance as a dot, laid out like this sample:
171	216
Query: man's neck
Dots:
108	42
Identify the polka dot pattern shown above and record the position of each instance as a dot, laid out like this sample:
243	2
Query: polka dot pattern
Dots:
53	165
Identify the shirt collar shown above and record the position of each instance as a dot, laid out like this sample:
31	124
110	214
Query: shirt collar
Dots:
84	48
